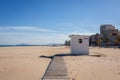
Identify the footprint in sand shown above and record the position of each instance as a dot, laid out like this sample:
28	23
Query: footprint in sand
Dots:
119	73
70	72
73	78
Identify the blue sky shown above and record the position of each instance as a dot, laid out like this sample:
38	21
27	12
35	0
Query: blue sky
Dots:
51	21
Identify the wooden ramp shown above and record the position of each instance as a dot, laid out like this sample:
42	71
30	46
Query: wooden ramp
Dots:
56	70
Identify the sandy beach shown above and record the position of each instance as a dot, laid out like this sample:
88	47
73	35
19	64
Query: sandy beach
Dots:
106	67
25	63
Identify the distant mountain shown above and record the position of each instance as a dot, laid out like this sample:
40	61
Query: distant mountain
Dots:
54	44
23	44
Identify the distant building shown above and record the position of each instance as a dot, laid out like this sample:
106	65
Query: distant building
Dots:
67	43
94	39
108	31
109	36
104	28
118	36
118	33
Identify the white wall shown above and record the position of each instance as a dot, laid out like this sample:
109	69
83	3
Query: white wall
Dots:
79	48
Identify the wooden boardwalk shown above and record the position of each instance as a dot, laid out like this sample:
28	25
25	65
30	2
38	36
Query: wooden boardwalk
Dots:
56	70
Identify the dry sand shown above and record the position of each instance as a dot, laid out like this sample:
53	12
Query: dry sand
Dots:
25	63
106	67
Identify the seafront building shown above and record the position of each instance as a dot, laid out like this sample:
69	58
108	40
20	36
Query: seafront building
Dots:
109	36
106	27
93	40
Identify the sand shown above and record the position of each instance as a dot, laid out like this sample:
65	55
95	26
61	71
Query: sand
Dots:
106	67
25	63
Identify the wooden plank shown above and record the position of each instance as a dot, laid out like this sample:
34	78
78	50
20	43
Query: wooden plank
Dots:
57	70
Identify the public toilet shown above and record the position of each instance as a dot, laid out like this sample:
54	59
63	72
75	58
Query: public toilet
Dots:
79	44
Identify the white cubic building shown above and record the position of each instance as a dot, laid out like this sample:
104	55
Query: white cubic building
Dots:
79	44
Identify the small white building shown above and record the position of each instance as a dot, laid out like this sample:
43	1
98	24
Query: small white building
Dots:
79	44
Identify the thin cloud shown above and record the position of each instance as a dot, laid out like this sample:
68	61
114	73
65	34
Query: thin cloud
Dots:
24	28
78	24
85	33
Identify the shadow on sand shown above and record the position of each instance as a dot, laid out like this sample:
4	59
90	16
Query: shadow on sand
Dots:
68	54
